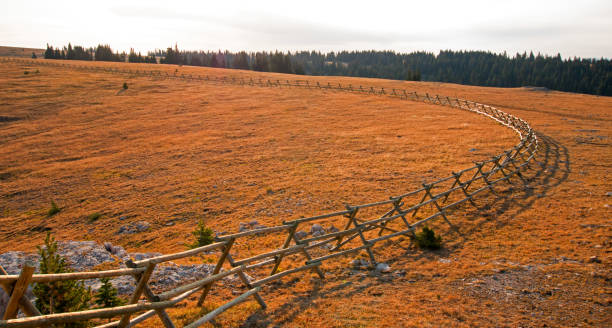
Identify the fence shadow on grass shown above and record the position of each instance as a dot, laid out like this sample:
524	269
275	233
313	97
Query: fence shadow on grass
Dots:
551	167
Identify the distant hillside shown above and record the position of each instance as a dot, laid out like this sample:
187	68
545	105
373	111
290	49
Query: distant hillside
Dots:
21	52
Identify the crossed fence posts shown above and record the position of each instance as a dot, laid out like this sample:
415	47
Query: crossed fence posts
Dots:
364	225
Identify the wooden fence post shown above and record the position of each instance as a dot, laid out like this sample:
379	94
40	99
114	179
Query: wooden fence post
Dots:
440	209
220	261
19	288
245	281
25	304
142	279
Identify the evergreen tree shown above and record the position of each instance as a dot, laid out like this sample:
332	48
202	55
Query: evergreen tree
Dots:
261	62
172	56
135	57
241	61
107	295
49	53
203	235
69	52
105	53
59	296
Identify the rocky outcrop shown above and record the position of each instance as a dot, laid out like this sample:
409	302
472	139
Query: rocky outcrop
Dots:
88	255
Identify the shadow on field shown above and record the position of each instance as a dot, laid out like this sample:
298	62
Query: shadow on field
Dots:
550	168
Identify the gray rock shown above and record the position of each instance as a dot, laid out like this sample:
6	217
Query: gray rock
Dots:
594	259
316	228
85	255
108	246
235	279
142	226
136	227
301	234
12	262
80	256
359	263
383	267
253	223
318	233
445	261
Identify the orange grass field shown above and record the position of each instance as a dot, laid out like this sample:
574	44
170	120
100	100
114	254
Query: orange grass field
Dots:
174	152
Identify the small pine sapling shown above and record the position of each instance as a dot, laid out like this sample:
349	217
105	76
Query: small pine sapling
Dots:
107	295
203	235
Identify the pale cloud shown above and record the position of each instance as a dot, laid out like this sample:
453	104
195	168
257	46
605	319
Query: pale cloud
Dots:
569	27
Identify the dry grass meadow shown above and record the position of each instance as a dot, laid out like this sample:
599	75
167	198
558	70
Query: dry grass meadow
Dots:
174	152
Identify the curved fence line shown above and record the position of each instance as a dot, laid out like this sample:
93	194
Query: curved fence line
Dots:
363	226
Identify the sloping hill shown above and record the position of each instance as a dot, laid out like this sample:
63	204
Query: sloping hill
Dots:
171	153
21	52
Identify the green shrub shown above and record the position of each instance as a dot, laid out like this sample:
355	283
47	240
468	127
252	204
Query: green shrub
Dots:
59	296
107	295
203	235
94	217
53	210
125	86
427	239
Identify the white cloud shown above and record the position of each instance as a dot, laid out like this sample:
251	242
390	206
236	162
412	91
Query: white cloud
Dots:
569	27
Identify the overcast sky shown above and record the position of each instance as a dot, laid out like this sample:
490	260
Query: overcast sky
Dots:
572	28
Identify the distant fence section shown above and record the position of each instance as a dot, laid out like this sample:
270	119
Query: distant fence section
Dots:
362	226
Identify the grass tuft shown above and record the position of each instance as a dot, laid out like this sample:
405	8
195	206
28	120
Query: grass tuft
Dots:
54	209
94	217
427	239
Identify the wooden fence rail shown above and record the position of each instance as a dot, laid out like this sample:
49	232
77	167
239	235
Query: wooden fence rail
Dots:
363	225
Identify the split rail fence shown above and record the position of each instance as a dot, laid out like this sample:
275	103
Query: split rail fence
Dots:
363	226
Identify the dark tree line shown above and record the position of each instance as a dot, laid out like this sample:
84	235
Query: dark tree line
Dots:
258	61
593	76
134	57
76	53
99	53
